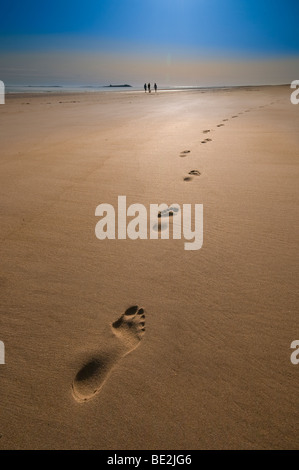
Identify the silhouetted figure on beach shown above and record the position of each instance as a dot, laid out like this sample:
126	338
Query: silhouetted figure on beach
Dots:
149	87
155	87
145	87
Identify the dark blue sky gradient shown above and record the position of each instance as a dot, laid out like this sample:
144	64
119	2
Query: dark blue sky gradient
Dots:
236	27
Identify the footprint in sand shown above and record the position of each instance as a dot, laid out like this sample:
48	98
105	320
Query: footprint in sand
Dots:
224	120
170	212
206	131
206	140
184	153
162	225
128	332
194	173
220	125
234	116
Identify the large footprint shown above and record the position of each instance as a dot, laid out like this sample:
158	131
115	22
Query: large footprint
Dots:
128	331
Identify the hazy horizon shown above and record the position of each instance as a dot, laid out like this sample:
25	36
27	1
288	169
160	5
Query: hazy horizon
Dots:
173	43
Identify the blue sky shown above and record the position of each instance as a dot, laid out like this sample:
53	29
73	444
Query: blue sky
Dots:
193	29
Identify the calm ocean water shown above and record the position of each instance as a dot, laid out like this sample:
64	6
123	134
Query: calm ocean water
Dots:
63	88
76	89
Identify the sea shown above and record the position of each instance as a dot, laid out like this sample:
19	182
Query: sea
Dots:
91	88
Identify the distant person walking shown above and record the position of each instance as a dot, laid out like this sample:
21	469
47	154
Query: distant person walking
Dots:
155	87
149	87
145	87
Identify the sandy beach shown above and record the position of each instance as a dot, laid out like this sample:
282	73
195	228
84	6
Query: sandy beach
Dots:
204	361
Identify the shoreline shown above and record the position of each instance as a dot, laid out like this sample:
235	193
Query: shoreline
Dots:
162	90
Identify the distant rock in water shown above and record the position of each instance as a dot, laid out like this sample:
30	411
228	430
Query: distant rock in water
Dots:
118	86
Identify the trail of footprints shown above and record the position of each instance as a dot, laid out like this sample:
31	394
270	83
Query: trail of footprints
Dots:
128	330
185	153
